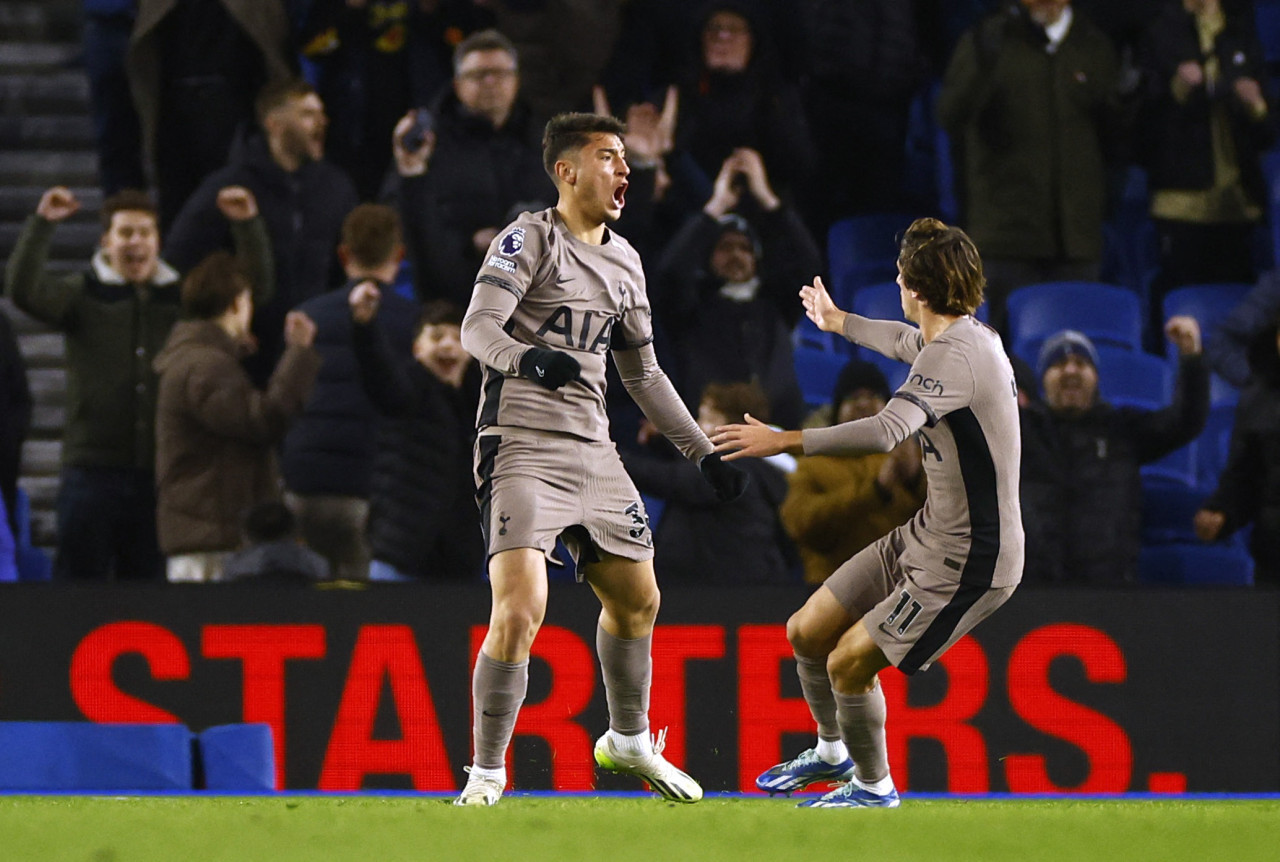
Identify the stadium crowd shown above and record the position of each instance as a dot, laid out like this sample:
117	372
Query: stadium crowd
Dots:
278	319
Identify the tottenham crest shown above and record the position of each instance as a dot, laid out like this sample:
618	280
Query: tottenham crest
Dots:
512	242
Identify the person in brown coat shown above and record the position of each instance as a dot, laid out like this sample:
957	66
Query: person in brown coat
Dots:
215	432
836	505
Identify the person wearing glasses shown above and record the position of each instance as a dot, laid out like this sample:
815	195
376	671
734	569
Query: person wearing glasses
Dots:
475	158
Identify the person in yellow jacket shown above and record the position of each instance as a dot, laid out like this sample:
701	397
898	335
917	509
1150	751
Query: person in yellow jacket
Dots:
836	505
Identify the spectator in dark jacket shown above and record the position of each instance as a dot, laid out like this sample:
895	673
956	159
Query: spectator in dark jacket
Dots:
1248	491
116	130
194	68
303	200
458	187
215	433
273	550
1031	97
15	417
727	297
1081	489
422	517
734	97
116	316
328	454
700	540
1205	122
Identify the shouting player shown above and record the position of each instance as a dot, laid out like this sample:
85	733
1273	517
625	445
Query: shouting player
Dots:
558	290
907	598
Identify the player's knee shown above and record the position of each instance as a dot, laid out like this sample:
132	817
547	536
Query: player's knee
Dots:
805	638
512	630
643	608
850	671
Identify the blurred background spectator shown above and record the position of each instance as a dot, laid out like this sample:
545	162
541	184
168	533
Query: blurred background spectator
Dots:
116	316
216	432
1249	489
273	551
328	455
836	505
699	540
303	200
726	290
423	521
1031	97
1205	121
481	158
195	67
1081	488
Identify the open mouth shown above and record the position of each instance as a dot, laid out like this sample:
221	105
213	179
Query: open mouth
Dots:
620	196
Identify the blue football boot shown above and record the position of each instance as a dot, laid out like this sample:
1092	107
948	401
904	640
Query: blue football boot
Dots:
852	796
808	768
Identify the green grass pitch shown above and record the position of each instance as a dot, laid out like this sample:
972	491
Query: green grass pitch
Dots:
622	829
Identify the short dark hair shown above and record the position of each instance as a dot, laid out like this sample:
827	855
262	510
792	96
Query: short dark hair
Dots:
126	200
735	400
941	264
269	521
212	287
371	234
484	40
573	131
277	94
437	312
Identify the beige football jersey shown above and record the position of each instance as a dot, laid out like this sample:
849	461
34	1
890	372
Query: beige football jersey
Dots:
966	412
545	288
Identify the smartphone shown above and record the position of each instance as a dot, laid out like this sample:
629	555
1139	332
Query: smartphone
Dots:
423	124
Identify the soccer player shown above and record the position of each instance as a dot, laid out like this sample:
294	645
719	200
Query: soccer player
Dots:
908	597
558	290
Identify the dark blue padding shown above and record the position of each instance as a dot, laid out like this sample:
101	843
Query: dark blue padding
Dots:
81	756
238	758
1196	564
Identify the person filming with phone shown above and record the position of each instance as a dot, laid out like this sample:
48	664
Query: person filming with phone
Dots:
465	164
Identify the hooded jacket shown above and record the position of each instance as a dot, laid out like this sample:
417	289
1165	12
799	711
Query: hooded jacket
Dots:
215	435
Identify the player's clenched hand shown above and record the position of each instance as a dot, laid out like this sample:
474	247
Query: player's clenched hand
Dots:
728	481
755	440
820	308
550	369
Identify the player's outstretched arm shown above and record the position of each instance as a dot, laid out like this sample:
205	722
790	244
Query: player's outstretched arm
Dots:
820	308
756	440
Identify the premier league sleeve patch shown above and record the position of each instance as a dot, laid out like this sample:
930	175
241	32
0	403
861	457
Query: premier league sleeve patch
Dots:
512	242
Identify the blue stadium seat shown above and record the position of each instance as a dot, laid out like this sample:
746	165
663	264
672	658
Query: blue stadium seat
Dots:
863	250
1167	512
1130	249
817	371
1184	564
894	371
1267	16
807	334
881	301
1132	378
1108	314
1177	468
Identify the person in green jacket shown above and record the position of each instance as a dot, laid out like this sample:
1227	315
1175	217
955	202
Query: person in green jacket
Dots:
116	316
1032	100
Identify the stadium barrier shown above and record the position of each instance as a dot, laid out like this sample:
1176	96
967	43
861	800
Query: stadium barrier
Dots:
1089	691
78	756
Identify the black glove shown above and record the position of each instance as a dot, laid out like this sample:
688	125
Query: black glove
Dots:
550	369
728	481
